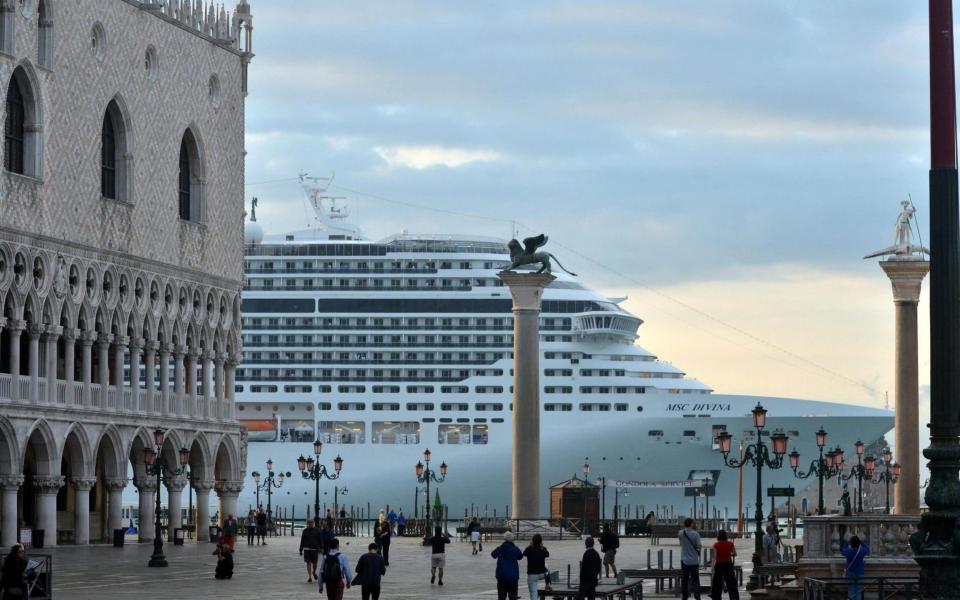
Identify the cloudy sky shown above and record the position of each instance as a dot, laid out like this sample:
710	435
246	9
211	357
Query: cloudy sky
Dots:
724	164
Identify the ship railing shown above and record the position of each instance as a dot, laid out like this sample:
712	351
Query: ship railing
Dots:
362	328
367	288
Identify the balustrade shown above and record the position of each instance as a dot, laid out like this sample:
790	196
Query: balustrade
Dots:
887	535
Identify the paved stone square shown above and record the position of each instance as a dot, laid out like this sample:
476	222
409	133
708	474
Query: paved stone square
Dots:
276	570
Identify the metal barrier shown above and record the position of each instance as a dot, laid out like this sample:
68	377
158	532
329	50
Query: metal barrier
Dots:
880	588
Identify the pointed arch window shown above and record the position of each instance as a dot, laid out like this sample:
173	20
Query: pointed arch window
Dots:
190	180
44	35
108	158
184	181
115	156
13	129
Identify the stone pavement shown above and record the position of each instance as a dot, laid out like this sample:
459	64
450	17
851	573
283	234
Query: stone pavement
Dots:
276	570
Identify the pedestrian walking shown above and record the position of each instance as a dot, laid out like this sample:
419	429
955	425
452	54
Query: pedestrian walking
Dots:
230	527
651	521
335	572
401	524
536	555
855	552
376	538
771	546
392	519
311	544
385	539
224	569
690	548
370	568
508	567
438	553
609	542
261	526
13	579
473	531
326	536
590	567
251	526
723	573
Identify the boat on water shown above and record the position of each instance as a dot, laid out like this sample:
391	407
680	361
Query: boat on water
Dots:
382	349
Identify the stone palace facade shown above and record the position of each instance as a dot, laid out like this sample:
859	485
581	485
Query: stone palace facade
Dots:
121	259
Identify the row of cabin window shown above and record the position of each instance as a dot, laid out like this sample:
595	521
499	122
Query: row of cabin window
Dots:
21	148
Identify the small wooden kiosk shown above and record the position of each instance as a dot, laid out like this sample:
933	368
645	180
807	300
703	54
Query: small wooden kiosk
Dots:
575	500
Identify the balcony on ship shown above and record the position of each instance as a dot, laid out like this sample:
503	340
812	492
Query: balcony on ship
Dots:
599	323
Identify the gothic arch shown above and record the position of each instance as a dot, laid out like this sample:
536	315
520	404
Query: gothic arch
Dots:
24	112
226	465
191	180
78	451
200	457
116	151
42	446
111	446
9	456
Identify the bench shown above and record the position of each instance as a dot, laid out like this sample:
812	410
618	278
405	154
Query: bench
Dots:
769	573
632	589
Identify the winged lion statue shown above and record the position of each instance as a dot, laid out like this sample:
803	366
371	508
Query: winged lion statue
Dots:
527	254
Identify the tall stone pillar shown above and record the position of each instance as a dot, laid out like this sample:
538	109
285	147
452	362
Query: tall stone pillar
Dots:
906	276
227	494
136	344
174	504
14	329
103	367
46	488
34	332
86	363
163	406
202	489
203	410
120	343
50	339
150	376
178	379
115	487
191	409
527	291
81	508
9	485
69	362
147	488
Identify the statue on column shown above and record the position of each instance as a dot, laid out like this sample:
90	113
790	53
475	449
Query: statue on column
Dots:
527	254
903	247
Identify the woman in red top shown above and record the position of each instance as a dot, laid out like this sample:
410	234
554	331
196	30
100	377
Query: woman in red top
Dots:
723	553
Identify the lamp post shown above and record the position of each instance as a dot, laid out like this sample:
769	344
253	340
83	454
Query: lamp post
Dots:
425	475
273	480
586	480
891	474
312	469
822	467
859	470
155	465
337	492
758	455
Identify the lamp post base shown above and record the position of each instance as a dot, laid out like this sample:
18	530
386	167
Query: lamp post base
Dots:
754	582
157	559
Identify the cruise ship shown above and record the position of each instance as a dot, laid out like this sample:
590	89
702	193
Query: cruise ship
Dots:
382	349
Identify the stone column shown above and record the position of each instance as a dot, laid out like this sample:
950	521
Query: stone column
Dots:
136	345
69	362
206	359
81	508
179	389
147	487
9	485
228	401
119	350
34	331
86	363
202	489
46	488
527	291
164	378
174	504
15	327
227	494
218	386
103	365
150	376
191	374
906	277
114	486
50	338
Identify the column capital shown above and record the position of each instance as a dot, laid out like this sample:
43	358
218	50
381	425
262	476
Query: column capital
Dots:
52	332
221	358
175	484
3	322
208	355
526	288
228	488
906	277
121	340
11	482
16	325
135	343
87	338
83	484
35	330
105	339
71	334
115	484
191	352
165	348
203	485
151	345
179	349
145	483
47	484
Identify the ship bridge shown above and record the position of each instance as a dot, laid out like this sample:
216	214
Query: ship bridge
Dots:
601	323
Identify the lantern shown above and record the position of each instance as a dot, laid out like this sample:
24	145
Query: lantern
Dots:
184	457
338	463
821	438
779	439
419	469
302	463
310	463
443	469
759	416
256	477
870	463
895	469
149	457
858	446
269	464
887	455
724	440
586	470
158	437
794	460
426	455
317	447
838	453
828	459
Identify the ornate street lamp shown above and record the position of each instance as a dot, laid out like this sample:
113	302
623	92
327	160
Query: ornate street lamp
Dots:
758	455
272	480
312	469
425	475
822	467
155	465
859	471
890	474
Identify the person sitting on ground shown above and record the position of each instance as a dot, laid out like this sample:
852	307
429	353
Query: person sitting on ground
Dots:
335	572
508	569
311	544
224	556
723	572
590	567
609	542
438	555
13	580
370	568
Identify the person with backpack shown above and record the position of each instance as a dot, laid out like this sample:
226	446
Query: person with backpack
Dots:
723	572
590	567
855	552
508	568
384	537
690	548
438	555
335	572
311	544
609	542
370	568
536	555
